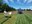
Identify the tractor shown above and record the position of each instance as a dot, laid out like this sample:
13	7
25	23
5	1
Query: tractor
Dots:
20	11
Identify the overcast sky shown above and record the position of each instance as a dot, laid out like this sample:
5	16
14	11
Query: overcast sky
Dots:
24	4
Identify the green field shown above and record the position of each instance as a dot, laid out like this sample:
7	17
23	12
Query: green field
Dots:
25	18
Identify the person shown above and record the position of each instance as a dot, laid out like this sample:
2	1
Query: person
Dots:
5	13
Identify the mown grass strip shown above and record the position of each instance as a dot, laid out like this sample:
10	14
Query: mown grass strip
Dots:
5	20
28	19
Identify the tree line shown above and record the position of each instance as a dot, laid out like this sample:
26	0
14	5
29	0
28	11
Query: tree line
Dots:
5	6
27	10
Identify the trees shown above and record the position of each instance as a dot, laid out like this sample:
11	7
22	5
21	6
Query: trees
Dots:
0	2
5	6
1	9
28	9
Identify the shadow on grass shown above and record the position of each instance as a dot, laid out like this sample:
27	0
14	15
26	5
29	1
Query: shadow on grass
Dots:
5	20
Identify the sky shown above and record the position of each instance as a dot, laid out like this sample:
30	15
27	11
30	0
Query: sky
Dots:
24	4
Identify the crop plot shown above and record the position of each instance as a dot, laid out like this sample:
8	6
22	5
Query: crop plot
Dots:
25	18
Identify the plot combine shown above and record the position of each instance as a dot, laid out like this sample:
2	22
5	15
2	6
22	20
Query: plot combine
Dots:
20	11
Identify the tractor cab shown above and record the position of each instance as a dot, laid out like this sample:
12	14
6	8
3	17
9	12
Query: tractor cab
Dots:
20	11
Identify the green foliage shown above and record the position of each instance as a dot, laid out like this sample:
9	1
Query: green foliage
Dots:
28	9
5	6
0	0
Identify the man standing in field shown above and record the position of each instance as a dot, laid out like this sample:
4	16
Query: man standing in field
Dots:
6	14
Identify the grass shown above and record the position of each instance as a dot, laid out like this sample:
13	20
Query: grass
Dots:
2	18
17	19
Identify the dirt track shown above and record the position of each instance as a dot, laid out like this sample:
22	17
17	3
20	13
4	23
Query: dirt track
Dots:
30	12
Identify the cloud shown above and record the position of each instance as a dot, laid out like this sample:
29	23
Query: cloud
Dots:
25	1
11	0
18	0
5	1
29	1
30	7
